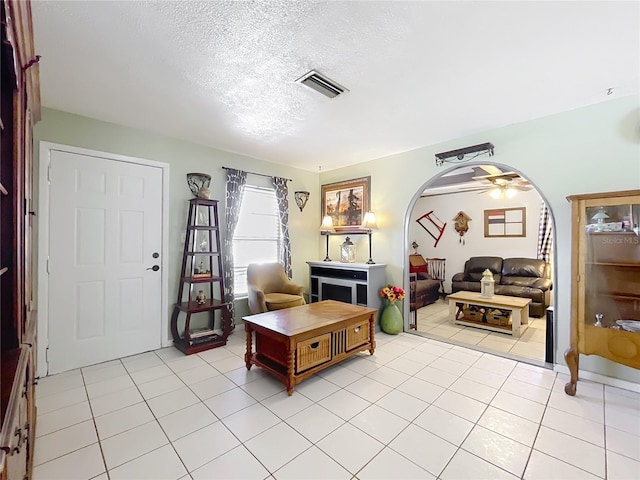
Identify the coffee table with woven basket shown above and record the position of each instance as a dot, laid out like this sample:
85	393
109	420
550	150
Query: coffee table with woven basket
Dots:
500	313
294	343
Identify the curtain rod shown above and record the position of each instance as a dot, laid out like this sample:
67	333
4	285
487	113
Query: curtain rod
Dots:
259	174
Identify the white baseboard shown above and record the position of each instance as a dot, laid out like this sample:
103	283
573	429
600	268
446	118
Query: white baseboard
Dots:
596	377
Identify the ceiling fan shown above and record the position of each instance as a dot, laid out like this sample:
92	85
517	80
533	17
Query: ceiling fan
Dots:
504	185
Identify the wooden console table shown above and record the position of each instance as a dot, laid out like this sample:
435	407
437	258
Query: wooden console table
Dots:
295	343
519	310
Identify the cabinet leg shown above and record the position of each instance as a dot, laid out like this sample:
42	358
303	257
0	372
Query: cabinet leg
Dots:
290	370
247	355
372	331
571	357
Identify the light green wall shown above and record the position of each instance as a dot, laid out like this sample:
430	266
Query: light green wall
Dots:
592	149
184	157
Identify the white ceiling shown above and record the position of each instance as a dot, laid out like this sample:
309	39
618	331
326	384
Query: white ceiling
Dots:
222	73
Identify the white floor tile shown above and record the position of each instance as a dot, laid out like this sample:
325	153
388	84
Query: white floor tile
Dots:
390	465
623	443
122	420
315	423
522	407
277	446
437	377
510	425
64	441
460	405
98	389
405	365
152	373
474	390
540	378
141	362
339	375
186	420
450	366
545	467
572	450
160	386
369	389
251	421
451	427
170	402
421	389
388	376
236	464
402	404
493	364
498	450
316	388
62	418
229	364
379	423
465	356
575	426
204	445
198	374
242	376
424	449
59	383
115	401
133	443
186	363
285	406
344	404
350	447
526	390
78	465
263	387
464	465
103	371
484	377
212	387
160	464
169	354
622	468
312	464
216	354
56	401
229	402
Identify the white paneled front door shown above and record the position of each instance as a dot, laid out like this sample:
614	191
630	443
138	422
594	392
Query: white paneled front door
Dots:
105	236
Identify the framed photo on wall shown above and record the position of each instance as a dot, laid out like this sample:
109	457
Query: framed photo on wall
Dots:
505	222
346	203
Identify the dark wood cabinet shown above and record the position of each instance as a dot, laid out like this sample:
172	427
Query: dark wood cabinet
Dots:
19	109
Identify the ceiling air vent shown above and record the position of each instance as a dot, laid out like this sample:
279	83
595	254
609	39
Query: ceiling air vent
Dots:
321	84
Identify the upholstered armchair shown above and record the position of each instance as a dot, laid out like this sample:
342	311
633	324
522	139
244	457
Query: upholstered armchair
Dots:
270	289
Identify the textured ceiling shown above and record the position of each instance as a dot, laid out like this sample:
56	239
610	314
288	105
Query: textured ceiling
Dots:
223	73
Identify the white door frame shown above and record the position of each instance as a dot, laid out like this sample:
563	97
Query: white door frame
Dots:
43	241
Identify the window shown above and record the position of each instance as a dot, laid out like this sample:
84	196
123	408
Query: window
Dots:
258	237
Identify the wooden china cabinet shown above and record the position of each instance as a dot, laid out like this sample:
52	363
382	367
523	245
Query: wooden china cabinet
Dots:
19	109
605	270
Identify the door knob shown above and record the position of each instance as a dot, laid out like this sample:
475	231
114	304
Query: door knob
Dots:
155	268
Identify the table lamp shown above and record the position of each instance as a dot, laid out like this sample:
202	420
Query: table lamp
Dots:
369	224
325	229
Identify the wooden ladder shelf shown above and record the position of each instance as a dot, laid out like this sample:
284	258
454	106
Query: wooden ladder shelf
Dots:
201	289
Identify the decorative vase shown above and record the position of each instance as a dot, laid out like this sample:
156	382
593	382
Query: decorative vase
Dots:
391	319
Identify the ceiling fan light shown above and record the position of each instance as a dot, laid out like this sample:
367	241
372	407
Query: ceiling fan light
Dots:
510	192
496	193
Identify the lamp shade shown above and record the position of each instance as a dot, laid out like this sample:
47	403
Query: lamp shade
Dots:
327	225
369	221
600	216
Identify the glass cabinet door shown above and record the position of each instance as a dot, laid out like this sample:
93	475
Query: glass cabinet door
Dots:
611	268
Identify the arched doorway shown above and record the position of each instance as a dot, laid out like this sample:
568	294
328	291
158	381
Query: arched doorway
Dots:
502	210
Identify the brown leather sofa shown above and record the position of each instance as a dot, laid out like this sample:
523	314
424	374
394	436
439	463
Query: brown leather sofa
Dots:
515	277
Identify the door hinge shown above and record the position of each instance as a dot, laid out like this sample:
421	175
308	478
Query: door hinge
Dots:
48	266
49	173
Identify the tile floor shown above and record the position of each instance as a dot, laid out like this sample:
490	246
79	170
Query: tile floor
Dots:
434	321
418	408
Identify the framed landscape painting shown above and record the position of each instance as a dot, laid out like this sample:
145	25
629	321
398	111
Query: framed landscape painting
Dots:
346	203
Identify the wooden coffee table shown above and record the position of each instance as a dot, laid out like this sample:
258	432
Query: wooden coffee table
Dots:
294	343
519	310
